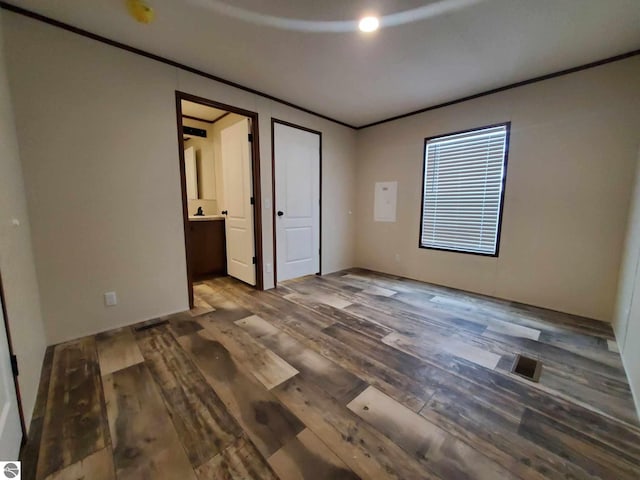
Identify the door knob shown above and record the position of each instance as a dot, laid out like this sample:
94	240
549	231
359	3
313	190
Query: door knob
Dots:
224	212
280	213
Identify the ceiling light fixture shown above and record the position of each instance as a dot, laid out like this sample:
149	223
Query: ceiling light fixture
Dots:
369	24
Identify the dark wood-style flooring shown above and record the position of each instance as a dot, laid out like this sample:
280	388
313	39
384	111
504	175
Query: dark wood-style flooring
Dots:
350	375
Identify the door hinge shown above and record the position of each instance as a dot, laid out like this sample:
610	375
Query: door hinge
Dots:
253	201
14	365
254	260
250	137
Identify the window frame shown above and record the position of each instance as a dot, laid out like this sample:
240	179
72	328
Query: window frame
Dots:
505	163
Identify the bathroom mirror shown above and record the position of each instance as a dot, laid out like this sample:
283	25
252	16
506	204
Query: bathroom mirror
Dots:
200	169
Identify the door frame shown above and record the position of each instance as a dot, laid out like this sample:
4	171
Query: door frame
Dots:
12	354
273	192
255	171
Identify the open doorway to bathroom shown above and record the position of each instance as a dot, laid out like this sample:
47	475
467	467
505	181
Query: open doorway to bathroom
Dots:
220	179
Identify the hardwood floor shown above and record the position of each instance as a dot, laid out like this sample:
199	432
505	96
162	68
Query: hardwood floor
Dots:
350	375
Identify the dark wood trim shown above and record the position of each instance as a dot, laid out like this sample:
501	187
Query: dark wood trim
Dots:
183	196
197	119
12	352
541	78
273	204
504	186
79	31
257	206
273	191
220	117
211	122
255	158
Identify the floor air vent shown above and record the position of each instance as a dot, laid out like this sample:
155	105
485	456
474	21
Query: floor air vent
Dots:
147	326
526	367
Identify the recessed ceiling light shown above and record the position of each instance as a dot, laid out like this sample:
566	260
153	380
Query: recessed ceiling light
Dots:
369	24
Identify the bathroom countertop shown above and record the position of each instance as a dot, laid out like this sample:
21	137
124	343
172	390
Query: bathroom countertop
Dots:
205	218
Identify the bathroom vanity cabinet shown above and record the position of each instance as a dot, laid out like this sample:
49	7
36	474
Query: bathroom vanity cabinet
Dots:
207	247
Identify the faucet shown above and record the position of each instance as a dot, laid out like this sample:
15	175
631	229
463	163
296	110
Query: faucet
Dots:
199	213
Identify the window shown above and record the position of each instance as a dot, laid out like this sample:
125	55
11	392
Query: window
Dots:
463	190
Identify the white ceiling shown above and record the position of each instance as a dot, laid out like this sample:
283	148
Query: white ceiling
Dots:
203	112
361	78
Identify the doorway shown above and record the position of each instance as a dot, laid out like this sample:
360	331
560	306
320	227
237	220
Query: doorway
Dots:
297	200
220	183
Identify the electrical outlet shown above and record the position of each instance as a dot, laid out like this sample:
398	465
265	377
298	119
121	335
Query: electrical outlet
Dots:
110	299
397	257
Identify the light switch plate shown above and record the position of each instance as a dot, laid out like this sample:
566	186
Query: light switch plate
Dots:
110	299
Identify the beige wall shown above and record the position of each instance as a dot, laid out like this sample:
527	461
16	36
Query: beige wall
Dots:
573	146
627	314
16	257
105	207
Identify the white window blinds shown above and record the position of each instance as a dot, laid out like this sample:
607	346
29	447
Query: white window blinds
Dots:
462	195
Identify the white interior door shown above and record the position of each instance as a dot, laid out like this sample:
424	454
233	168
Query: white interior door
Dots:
10	430
238	187
297	205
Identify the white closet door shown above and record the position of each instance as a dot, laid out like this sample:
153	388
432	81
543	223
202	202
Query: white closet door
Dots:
297	205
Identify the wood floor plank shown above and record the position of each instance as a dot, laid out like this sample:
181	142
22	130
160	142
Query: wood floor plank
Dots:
415	375
307	458
203	424
362	448
257	326
562	372
399	386
544	400
239	461
40	406
568	410
447	346
264	364
363	325
335	380
145	442
117	349
613	346
373	369
379	291
184	324
74	425
323	347
200	307
327	299
490	424
575	364
97	466
30	452
438	450
266	421
267	303
513	330
223	308
593	456
476	308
